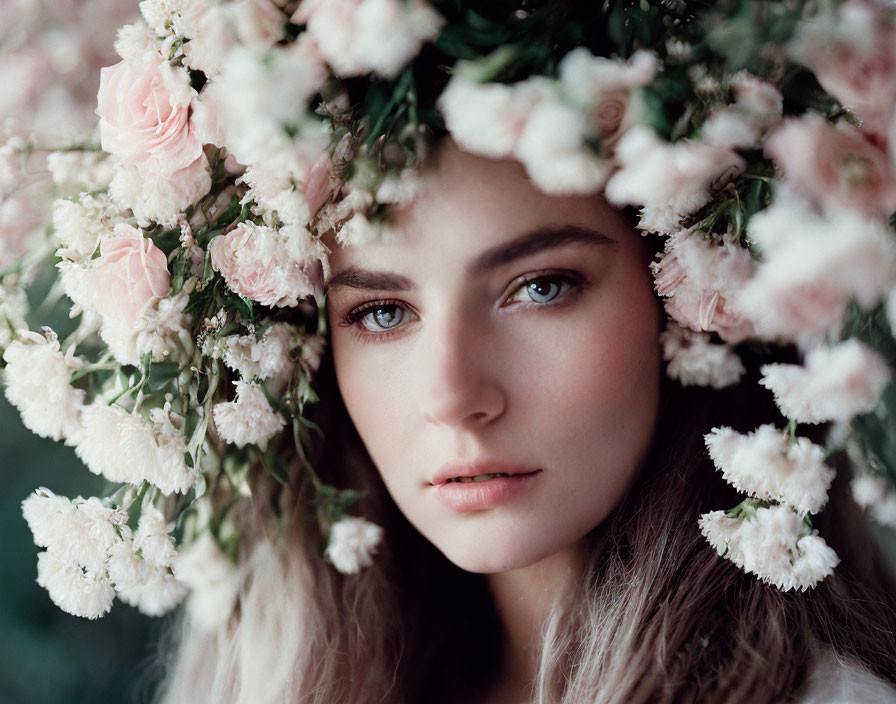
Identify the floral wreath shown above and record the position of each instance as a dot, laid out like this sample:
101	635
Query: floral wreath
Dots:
756	139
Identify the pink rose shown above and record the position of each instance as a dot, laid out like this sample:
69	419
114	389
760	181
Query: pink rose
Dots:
833	163
144	109
129	276
272	267
854	59
696	277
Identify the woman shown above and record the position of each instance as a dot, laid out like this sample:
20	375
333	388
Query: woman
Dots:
494	385
505	332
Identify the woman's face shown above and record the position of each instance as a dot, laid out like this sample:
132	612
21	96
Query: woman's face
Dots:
499	360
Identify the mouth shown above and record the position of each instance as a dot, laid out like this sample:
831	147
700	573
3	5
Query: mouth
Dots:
487	477
467	489
483	470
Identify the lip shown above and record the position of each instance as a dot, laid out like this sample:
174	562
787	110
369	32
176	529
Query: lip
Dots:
480	496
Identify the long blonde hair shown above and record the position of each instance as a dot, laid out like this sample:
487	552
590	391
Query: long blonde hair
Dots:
656	617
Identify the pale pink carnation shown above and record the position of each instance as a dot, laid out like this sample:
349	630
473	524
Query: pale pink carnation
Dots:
669	181
272	267
835	383
605	90
249	420
129	276
142	583
694	361
144	109
352	544
766	463
697	275
758	105
853	55
773	544
827	163
363	36
812	266
261	359
38	383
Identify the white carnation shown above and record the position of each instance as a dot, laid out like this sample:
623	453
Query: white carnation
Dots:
353	542
38	384
153	537
835	383
135	40
154	197
80	593
124	447
362	36
162	331
248	420
812	267
766	464
694	361
772	544
149	587
874	494
261	359
670	181
80	226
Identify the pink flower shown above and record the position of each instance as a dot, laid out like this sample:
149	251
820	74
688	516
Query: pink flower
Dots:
129	276
696	276
833	163
853	55
272	267
144	109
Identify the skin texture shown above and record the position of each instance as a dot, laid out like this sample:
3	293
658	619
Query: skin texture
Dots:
470	367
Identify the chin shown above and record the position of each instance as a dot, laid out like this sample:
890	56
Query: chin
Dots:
491	557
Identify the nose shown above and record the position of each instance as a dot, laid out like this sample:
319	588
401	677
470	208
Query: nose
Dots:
462	383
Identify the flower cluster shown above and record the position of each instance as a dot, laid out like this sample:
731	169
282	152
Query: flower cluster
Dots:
235	135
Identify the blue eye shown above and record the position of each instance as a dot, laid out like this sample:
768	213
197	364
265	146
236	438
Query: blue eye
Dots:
381	317
541	289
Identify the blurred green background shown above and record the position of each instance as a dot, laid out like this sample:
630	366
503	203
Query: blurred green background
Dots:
47	656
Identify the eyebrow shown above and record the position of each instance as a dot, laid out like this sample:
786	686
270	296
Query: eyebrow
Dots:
525	246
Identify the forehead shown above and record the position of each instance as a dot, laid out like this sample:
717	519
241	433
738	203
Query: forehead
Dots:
466	205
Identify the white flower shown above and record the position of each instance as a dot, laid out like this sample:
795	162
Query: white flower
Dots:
812	267
363	36
353	542
488	118
670	181
248	420
153	539
766	464
124	447
80	226
135	40
13	305
263	92
213	579
142	583
154	197
695	361
772	544
38	384
80	593
261	359
553	150
874	494
835	383
758	105
162	331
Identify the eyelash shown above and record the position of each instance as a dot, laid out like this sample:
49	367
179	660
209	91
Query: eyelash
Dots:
573	281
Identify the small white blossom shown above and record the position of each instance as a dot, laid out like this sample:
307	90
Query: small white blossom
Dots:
874	494
81	225
773	544
766	464
124	447
38	384
260	359
89	170
248	420
80	593
353	542
142	583
153	537
835	383
669	181
162	331
694	361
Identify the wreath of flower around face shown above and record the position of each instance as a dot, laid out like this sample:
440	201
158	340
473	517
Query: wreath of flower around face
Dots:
756	141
